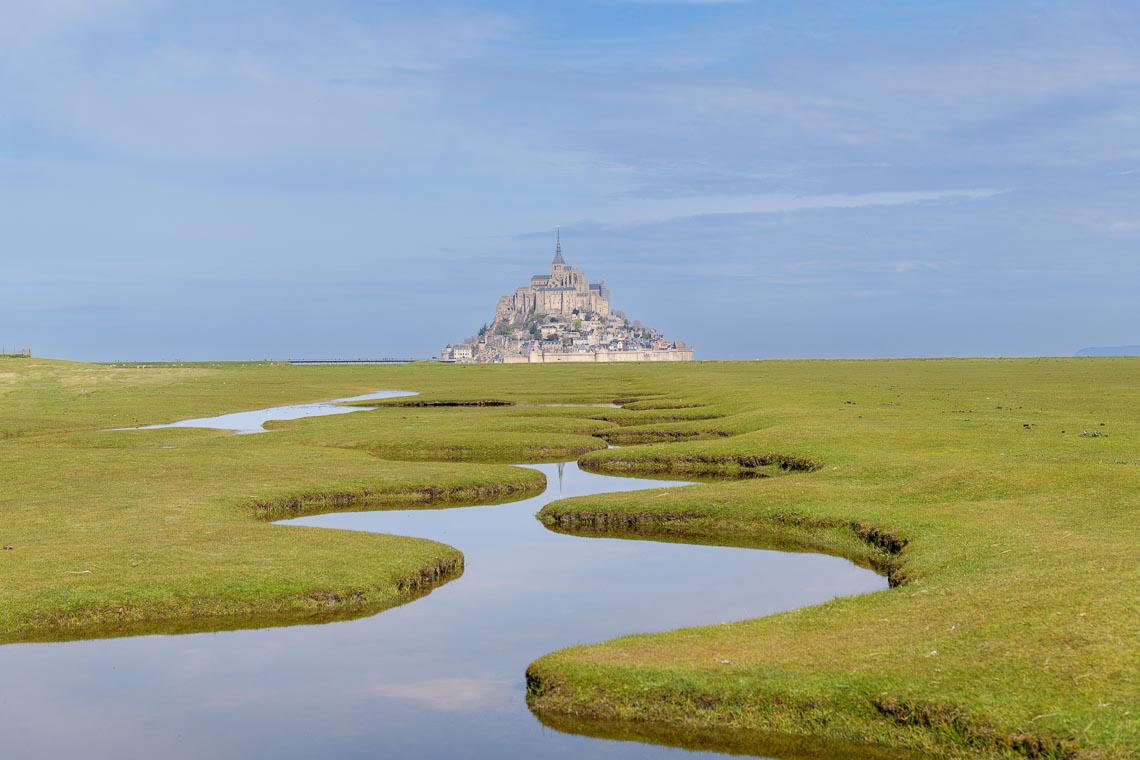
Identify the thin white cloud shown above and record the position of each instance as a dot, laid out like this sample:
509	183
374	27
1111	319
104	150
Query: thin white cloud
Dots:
656	210
304	89
450	694
28	24
1124	228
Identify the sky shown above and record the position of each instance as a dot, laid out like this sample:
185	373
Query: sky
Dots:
337	179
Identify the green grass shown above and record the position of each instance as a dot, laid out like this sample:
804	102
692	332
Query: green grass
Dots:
1014	627
1009	531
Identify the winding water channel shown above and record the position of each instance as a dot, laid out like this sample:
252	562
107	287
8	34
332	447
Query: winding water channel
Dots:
253	421
441	676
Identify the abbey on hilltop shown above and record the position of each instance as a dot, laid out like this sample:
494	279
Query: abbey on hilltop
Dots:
563	317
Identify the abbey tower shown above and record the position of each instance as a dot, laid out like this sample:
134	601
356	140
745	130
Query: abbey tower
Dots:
562	292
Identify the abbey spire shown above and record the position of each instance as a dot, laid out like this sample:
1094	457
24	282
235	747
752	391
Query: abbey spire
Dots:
558	247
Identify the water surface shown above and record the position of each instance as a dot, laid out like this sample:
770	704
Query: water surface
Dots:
254	420
440	677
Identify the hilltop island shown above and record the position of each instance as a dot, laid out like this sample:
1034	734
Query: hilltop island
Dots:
563	317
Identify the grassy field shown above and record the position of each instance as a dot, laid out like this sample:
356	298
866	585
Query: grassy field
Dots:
1001	497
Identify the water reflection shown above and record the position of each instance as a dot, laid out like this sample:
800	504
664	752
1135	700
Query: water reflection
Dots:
254	420
439	677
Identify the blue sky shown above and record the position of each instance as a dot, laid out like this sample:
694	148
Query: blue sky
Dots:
762	179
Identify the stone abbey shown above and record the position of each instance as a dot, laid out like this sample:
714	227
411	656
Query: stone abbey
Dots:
565	291
563	317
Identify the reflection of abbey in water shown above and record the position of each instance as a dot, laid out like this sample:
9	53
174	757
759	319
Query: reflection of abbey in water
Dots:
563	317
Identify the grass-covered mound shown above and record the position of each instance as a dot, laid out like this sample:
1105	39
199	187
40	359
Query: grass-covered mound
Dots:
1001	497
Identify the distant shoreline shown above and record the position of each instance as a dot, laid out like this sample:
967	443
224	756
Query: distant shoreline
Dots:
1109	351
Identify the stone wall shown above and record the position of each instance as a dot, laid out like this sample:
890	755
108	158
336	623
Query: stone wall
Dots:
603	357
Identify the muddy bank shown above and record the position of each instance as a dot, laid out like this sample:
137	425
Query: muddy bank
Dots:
719	466
322	502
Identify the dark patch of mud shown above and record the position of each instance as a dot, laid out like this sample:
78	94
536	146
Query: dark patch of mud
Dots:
321	502
630	419
637	406
726	466
434	403
477	454
634	437
978	735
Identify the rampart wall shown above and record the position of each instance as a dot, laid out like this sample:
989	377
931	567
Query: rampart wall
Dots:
601	357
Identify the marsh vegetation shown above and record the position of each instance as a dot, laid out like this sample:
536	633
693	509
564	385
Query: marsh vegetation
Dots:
1010	537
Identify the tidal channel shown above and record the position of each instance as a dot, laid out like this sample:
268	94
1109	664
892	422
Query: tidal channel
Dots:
439	677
